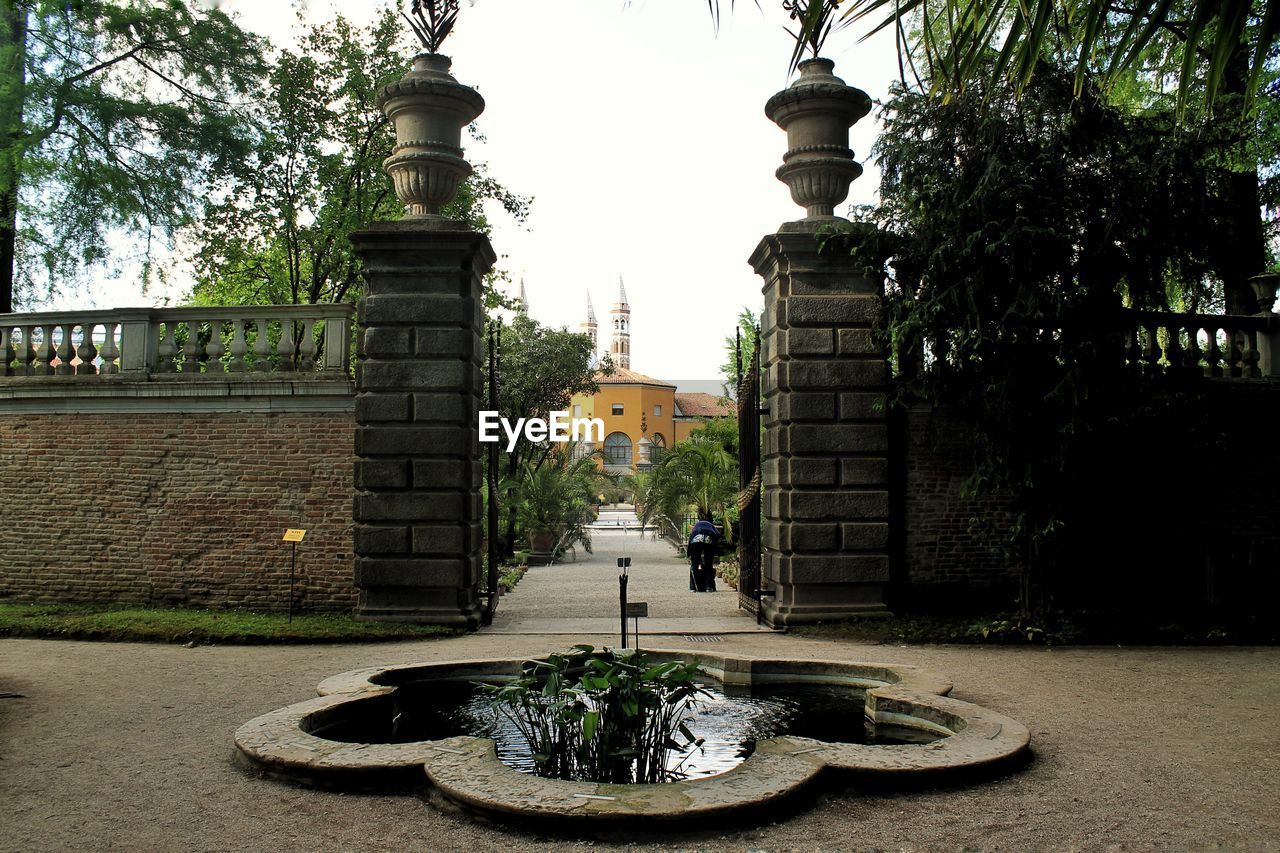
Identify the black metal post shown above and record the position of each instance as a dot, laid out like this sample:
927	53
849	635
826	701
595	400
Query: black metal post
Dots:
622	601
293	564
491	480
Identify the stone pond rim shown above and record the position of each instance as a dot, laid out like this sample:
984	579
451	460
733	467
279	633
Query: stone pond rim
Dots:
466	771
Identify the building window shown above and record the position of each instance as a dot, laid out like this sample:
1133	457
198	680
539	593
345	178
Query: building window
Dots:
617	409
617	449
658	440
657	411
577	410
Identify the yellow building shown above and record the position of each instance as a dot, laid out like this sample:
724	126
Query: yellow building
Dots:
638	411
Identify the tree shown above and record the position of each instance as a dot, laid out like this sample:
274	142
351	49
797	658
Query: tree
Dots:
738	349
280	234
554	498
1018	225
699	474
1219	47
111	114
540	371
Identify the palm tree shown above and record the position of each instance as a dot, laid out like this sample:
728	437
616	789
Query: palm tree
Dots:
1223	46
553	501
698	475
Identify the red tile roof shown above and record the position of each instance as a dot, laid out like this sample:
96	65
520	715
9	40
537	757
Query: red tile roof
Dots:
623	376
702	405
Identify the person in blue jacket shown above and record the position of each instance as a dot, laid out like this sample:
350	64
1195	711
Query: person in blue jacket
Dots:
704	540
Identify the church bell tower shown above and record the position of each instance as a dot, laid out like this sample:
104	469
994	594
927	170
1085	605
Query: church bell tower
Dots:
589	327
620	347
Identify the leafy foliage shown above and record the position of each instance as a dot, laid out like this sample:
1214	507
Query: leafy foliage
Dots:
745	339
815	21
541	369
432	21
1207	43
510	576
953	38
280	234
1019	225
112	114
557	497
698	475
610	716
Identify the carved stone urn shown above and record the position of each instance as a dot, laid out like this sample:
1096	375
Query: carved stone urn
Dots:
429	110
1265	287
817	111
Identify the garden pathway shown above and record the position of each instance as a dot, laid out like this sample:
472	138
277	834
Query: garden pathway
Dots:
581	596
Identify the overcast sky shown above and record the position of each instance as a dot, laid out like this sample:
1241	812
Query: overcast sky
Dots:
641	135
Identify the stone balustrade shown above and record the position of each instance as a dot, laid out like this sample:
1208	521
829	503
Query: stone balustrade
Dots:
1160	343
1215	345
185	343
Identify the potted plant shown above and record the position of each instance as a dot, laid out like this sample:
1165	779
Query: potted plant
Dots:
817	111
553	501
429	109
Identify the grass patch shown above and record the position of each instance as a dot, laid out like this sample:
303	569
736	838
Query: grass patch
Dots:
229	627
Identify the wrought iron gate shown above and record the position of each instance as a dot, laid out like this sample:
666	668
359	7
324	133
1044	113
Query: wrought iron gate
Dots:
491	480
749	580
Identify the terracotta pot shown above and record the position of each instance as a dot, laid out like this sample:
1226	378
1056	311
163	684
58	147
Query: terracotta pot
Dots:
542	543
817	111
429	110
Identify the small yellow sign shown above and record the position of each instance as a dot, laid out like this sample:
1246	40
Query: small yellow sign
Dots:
294	535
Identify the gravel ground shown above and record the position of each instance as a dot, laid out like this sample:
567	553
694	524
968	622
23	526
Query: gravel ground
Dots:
129	746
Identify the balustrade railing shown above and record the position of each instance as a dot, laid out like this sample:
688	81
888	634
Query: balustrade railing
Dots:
1158	343
1242	347
248	341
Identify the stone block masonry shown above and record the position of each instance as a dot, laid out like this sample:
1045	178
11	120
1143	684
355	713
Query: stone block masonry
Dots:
826	444
176	508
417	506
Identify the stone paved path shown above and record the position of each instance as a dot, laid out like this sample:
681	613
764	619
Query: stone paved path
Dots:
581	597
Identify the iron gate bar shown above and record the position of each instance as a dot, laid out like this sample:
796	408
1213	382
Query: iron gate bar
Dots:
749	477
491	480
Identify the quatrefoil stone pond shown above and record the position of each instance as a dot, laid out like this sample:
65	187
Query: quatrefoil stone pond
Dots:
291	743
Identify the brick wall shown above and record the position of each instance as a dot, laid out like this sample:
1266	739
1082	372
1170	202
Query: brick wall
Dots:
942	561
1177	512
176	509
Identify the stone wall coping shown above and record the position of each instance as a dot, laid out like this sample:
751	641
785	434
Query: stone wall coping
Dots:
160	315
166	393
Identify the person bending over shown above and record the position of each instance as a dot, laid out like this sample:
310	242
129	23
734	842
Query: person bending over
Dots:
703	542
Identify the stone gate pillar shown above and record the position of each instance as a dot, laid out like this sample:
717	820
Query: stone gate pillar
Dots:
418	384
825	463
418	389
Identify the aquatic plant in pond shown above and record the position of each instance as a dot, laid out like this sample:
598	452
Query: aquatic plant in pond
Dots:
608	716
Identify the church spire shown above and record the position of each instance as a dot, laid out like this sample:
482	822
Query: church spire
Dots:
588	328
524	298
620	345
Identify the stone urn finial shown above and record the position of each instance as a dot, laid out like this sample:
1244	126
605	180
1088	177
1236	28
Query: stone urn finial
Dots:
1264	288
429	110
817	111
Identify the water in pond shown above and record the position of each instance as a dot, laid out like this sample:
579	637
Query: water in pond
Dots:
730	721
